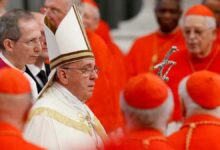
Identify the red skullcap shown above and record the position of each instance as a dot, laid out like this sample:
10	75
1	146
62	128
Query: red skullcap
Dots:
13	81
145	91
200	10
91	2
204	88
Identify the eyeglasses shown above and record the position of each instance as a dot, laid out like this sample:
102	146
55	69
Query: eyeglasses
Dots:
85	71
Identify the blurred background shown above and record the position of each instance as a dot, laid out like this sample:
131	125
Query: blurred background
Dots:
128	19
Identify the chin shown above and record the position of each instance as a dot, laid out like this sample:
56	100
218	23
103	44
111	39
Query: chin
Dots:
32	61
89	94
194	50
196	54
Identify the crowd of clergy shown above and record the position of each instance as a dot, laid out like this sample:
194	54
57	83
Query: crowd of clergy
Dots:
66	85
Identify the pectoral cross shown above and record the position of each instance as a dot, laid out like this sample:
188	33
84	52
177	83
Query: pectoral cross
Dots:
164	63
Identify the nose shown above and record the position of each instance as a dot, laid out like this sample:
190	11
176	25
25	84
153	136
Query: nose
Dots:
192	35
167	14
94	75
38	46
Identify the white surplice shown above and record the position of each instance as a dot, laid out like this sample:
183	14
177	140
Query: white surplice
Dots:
60	121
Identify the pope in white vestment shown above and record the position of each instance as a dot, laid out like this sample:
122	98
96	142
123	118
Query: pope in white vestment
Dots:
64	122
59	120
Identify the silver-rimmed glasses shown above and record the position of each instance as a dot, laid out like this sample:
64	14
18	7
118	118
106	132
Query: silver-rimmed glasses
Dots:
85	71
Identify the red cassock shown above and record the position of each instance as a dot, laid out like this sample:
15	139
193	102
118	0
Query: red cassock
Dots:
151	49
104	102
199	132
3	64
218	35
119	66
149	139
185	65
103	31
11	139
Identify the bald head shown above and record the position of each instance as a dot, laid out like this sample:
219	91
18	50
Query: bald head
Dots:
56	10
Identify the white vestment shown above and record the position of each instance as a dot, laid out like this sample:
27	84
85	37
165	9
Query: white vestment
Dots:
60	121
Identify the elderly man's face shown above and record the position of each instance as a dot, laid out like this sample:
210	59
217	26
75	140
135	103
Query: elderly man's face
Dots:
199	36
28	47
56	10
81	77
90	16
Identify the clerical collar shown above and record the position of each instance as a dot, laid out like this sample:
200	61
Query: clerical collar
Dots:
211	54
71	100
34	69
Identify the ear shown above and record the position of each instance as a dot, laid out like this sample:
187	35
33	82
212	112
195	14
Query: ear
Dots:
62	76
8	44
214	32
43	10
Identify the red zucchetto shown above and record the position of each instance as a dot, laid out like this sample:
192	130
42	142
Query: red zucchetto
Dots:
199	10
145	91
13	81
204	88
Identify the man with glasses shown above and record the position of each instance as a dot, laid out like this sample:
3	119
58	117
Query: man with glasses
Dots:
202	52
20	41
60	120
106	88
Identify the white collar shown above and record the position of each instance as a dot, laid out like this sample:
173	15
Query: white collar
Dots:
70	100
35	69
69	97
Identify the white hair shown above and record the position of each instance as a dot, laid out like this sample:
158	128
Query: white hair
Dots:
192	107
154	118
210	21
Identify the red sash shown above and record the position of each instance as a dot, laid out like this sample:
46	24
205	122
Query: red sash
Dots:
3	64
